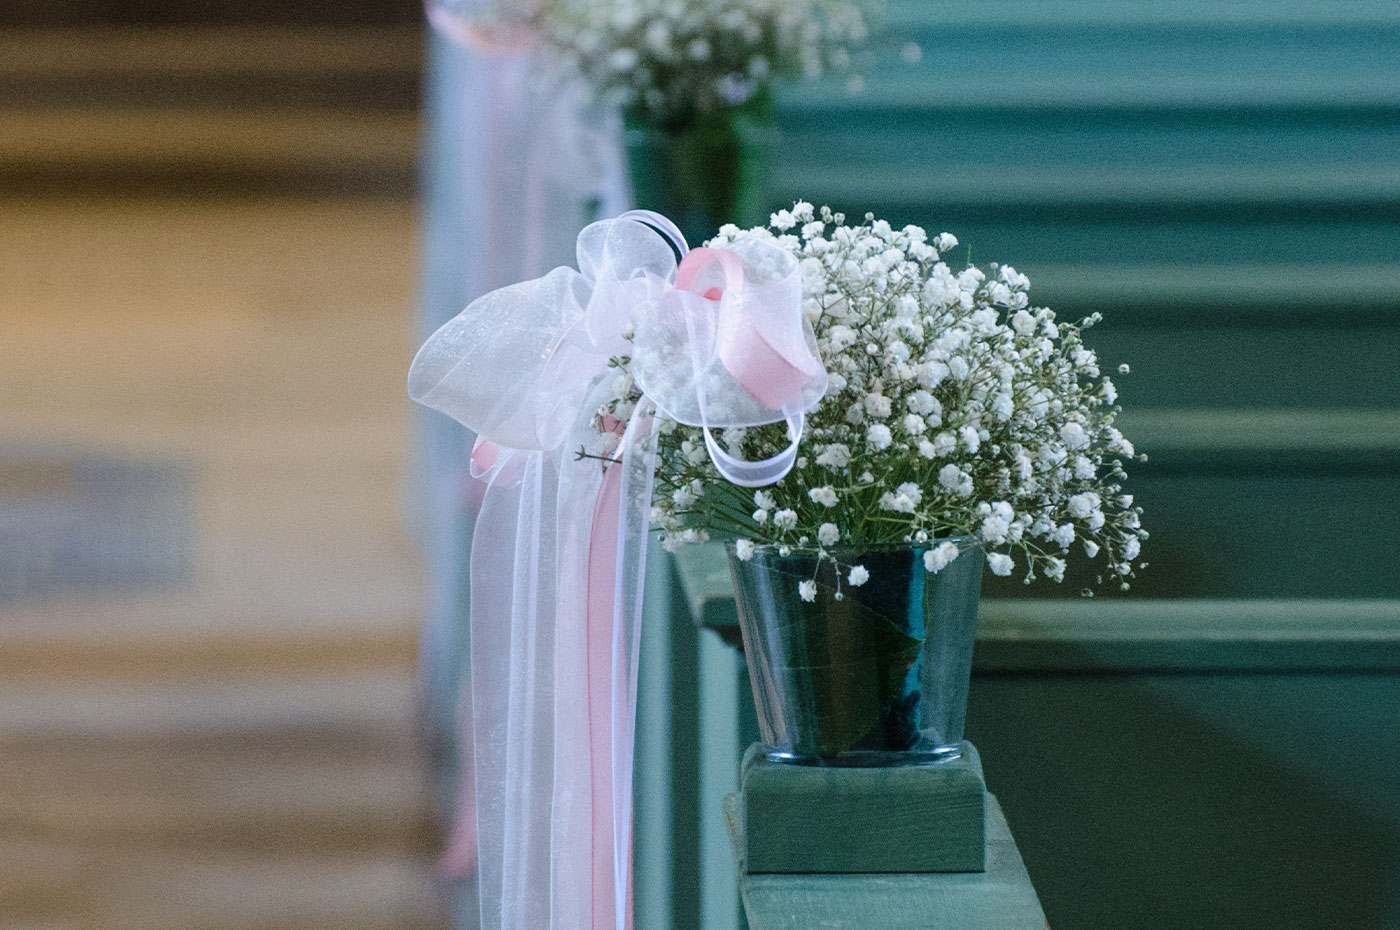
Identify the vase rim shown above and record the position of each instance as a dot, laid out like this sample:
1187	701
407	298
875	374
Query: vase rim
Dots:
964	543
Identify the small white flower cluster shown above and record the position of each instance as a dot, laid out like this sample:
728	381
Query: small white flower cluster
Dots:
982	416
669	59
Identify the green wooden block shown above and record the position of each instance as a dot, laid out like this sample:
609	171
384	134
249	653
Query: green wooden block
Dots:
999	898
918	818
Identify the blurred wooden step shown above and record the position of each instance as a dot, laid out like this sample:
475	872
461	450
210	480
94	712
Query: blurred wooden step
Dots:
109	887
210	803
141	757
149	149
153	13
365	68
224	108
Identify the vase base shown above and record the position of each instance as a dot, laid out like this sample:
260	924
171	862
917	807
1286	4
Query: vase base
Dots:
919	754
893	819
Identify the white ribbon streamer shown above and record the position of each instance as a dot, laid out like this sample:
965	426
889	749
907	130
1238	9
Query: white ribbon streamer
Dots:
554	674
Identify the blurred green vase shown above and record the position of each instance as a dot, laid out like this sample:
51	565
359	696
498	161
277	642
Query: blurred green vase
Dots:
868	675
704	172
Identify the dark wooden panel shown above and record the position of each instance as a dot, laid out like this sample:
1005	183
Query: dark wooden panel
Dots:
1207	801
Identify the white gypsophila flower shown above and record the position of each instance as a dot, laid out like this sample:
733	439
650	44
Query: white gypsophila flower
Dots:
807	590
1074	437
858	576
999	563
937	558
840	338
743	549
835	455
955	480
925	405
1081	505
785	519
763	500
898	502
877	405
931	373
828	534
1017	529
1013	277
982	415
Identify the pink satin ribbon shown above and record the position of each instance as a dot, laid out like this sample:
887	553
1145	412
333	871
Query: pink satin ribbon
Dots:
602	660
743	348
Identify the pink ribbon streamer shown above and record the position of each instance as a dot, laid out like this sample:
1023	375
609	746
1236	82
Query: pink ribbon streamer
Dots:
602	621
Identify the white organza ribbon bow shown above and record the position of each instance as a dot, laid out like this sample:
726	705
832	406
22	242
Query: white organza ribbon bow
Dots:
558	562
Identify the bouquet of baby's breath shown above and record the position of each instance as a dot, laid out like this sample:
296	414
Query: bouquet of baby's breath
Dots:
668	60
954	410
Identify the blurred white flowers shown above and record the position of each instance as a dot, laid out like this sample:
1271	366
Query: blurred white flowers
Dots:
666	60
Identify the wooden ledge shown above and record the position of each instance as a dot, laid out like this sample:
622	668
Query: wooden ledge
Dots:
1119	634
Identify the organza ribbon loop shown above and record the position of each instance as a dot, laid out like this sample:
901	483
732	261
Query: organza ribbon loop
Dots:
760	474
729	346
515	365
